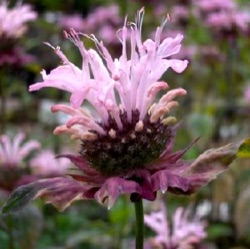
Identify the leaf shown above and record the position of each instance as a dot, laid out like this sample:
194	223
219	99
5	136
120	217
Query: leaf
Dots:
20	197
244	149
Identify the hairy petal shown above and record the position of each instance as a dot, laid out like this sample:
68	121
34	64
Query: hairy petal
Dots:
58	191
209	165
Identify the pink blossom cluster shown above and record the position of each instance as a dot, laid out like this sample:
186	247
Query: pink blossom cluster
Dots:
215	5
12	21
224	16
180	233
74	21
12	153
46	164
13	169
15	56
102	21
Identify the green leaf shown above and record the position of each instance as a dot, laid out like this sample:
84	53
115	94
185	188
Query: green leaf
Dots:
20	198
244	149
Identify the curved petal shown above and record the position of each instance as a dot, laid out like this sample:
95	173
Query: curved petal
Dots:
58	191
113	187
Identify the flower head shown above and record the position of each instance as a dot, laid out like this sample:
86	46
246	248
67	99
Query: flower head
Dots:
127	134
12	155
72	21
46	164
183	231
12	21
215	5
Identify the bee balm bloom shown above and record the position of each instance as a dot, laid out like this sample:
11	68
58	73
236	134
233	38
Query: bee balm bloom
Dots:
12	155
184	233
126	138
12	21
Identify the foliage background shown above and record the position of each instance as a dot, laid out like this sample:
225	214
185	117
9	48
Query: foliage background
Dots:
215	109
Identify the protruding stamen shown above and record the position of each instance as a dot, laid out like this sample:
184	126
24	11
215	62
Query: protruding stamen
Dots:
149	130
151	108
169	121
139	126
132	135
89	136
112	133
159	113
59	53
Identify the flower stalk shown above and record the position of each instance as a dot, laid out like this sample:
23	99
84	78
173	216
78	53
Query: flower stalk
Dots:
139	226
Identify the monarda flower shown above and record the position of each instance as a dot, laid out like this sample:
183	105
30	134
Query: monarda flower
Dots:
46	164
12	155
13	25
13	21
126	133
182	232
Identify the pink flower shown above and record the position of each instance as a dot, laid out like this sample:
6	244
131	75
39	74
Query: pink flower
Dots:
14	56
180	13
126	133
184	232
228	21
46	164
12	21
102	16
13	153
215	5
103	22
72	21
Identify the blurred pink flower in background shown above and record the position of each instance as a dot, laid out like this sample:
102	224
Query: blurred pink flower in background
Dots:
224	16
229	21
45	164
15	56
13	168
12	21
215	5
182	232
12	153
102	15
13	26
103	22
180	13
74	21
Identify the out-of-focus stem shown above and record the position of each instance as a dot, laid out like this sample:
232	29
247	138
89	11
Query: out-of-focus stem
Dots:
10	223
139	229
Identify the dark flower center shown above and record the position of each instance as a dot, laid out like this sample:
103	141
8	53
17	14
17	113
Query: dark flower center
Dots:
131	148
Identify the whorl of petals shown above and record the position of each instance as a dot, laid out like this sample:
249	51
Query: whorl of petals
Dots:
135	77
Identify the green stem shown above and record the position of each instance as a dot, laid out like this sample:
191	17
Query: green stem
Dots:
139	229
10	223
